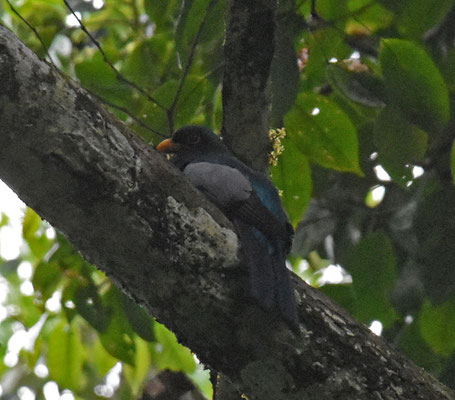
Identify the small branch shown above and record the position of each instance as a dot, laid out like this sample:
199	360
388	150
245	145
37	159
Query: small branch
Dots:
34	31
171	109
135	13
313	8
129	113
119	76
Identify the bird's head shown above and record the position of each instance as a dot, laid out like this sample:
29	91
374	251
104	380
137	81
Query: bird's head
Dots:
191	142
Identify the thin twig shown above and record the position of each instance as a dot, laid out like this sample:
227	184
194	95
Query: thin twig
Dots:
170	111
203	79
313	8
127	112
34	31
106	60
135	13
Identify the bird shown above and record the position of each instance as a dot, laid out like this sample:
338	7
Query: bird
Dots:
252	203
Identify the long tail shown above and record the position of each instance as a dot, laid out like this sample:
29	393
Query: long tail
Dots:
269	278
285	292
260	269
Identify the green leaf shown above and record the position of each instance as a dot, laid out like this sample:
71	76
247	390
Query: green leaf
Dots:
418	16
324	133
6	331
26	309
193	14
343	294
65	356
102	360
188	102
118	338
160	11
31	224
139	319
67	258
414	84
360	87
29	312
8	268
148	60
189	20
169	354
136	374
368	18
46	17
333	10
4	220
284	77
190	98
95	75
90	306
372	265
201	378
292	175
40	245
437	324
67	300
46	278
322	45
394	5
399	144
411	342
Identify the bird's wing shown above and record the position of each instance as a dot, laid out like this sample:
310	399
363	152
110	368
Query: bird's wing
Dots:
231	190
254	212
225	185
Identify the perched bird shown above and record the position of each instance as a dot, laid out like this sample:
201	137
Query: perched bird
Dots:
251	202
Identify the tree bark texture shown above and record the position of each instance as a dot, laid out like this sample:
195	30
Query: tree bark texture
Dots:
133	215
248	50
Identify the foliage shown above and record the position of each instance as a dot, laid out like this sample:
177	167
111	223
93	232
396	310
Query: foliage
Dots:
361	87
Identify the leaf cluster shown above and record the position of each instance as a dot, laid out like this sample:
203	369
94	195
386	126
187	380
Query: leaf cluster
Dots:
77	324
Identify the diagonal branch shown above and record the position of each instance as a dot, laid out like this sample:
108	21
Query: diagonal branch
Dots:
119	76
189	64
35	32
133	215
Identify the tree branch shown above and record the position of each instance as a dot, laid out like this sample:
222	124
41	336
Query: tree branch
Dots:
132	214
248	52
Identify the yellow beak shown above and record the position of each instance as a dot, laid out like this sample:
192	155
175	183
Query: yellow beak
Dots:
168	146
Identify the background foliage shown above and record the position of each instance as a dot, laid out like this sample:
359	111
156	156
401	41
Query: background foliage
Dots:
365	90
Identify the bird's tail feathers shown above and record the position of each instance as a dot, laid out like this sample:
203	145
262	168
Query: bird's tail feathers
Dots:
269	277
259	265
285	292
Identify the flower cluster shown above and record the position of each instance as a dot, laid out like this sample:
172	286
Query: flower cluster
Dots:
275	137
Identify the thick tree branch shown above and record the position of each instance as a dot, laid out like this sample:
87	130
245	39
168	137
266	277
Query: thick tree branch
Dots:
133	215
248	51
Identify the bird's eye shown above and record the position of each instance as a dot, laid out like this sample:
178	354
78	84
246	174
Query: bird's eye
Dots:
193	138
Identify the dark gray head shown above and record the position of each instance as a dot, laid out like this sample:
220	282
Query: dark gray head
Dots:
192	142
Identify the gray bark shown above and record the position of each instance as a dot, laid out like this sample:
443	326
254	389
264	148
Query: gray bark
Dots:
131	213
248	52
